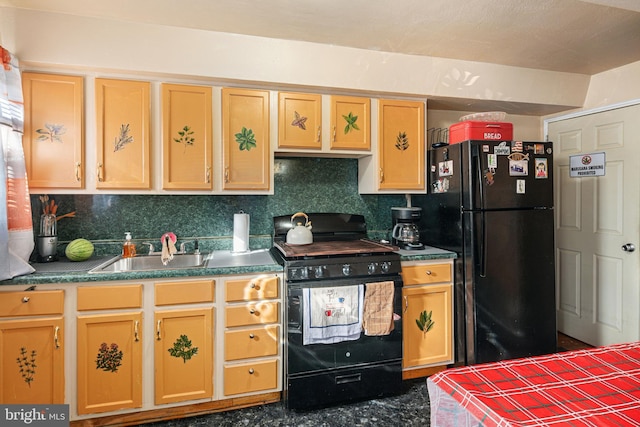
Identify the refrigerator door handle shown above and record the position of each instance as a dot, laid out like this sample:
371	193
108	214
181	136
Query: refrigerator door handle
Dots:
480	180
483	246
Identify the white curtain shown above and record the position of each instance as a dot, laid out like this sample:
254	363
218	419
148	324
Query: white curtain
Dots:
16	227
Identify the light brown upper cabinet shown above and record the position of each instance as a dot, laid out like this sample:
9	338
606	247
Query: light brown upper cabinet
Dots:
245	138
401	145
299	120
53	130
186	137
350	123
122	134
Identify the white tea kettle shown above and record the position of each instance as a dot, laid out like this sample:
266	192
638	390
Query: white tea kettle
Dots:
300	234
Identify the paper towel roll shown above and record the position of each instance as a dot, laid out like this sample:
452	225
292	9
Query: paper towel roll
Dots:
240	232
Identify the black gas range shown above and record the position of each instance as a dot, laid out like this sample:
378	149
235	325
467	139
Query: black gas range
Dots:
340	259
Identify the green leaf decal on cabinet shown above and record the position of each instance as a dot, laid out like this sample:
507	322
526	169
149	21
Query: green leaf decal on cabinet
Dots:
424	322
109	357
27	363
351	123
183	348
185	137
246	139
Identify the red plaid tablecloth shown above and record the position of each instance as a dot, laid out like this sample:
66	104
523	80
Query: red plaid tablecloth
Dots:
594	387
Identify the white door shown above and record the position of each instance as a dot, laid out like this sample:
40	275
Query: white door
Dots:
598	298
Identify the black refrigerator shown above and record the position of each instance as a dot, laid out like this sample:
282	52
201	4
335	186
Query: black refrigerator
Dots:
492	203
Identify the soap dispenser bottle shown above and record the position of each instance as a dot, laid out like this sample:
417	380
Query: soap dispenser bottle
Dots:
128	248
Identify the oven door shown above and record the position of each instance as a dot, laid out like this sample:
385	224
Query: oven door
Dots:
318	357
319	375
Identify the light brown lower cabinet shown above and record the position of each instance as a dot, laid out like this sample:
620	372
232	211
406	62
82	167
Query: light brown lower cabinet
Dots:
427	318
183	349
109	362
32	347
109	353
183	355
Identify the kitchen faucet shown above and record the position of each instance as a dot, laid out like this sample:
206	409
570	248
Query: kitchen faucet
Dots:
151	248
196	249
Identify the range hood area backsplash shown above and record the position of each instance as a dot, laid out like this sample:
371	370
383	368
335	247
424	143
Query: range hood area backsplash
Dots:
300	184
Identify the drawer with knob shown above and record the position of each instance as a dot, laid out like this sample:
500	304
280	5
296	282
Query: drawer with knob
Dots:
257	313
250	377
31	303
255	288
426	273
254	342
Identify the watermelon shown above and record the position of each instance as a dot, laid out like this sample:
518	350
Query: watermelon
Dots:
79	250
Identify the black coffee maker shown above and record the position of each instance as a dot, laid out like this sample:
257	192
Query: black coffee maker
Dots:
404	233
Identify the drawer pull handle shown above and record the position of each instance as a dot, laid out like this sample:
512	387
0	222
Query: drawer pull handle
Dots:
55	336
253	311
406	304
251	336
251	371
25	299
252	285
158	335
429	273
135	331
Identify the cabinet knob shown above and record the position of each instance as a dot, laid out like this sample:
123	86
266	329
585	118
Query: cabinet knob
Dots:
428	272
252	285
252	311
25	299
251	371
251	336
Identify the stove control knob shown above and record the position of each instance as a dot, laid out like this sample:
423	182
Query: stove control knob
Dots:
385	266
371	268
346	269
319	271
301	273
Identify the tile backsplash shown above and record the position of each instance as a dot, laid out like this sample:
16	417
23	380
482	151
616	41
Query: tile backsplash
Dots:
301	184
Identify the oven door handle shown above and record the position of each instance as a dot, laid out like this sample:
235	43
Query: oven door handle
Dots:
345	379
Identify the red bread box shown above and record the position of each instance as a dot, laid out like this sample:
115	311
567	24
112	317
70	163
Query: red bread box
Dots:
483	131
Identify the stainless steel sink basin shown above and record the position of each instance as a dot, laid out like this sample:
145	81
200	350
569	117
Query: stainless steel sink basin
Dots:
152	262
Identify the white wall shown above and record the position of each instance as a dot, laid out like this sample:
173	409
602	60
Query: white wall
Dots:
64	41
614	86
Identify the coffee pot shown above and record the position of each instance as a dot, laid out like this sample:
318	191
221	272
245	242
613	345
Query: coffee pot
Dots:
405	232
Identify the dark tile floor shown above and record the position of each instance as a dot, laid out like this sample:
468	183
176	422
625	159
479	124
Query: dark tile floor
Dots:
408	409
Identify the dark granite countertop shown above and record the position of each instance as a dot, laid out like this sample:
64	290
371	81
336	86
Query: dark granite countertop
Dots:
221	263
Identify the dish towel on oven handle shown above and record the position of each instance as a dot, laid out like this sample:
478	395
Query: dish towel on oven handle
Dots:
332	315
378	308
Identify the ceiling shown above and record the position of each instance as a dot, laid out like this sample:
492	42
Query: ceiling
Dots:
576	36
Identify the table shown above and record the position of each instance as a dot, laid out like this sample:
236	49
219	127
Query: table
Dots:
592	387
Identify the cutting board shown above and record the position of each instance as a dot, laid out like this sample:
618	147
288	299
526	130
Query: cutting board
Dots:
334	247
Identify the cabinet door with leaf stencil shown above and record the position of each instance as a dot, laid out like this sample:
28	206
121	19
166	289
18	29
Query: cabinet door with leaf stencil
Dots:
350	123
299	120
32	367
246	139
187	154
109	362
427	325
53	130
122	134
401	145
183	355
